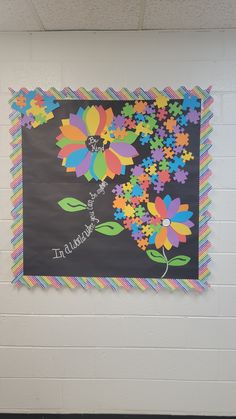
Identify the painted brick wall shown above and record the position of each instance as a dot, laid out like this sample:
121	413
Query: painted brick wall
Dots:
64	351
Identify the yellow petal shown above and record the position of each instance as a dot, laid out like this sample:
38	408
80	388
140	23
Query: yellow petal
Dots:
92	119
152	208
125	161
167	244
181	229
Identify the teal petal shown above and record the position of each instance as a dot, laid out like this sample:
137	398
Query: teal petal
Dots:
180	217
167	200
75	158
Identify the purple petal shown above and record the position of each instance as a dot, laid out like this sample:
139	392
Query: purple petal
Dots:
188	223
84	166
173	208
78	122
172	236
124	150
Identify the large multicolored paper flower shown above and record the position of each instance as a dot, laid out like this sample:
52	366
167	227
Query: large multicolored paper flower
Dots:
94	144
170	222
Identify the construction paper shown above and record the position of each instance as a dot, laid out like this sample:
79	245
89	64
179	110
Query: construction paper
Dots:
110	189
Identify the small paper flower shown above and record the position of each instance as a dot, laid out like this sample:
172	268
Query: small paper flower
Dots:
172	223
92	145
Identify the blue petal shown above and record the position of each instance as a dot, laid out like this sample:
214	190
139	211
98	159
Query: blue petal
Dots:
152	238
80	112
167	200
75	158
182	216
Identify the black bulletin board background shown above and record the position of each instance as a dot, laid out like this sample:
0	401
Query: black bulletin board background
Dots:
47	226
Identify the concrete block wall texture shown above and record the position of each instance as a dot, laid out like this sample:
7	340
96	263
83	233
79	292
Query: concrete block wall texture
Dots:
132	352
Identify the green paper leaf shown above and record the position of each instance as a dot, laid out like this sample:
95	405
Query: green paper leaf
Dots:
180	260
156	256
109	228
100	167
72	204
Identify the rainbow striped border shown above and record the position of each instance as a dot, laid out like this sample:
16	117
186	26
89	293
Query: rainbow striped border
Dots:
113	282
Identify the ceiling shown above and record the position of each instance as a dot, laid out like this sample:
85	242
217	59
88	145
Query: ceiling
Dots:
49	15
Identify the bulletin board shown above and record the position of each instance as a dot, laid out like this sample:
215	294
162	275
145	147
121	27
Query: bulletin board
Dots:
110	188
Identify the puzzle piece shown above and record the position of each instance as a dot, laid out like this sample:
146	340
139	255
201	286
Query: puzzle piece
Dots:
175	164
147	162
162	114
187	156
128	223
193	116
144	139
128	110
156	143
158	186
143	243
175	109
164	176
161	101
163	165
180	176
119	215
190	102
27	120
151	122
170	124
139	211
169	141
182	120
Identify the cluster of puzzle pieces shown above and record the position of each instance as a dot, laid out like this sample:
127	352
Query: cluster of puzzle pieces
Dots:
36	108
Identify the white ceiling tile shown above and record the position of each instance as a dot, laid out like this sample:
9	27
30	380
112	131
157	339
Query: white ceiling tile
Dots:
189	14
18	15
88	14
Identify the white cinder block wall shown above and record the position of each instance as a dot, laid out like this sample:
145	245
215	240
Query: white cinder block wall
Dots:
76	351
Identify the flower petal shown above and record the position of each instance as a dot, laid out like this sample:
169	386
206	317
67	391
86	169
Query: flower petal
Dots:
73	133
83	167
160	207
75	158
182	216
69	148
102	115
167	244
100	167
124	149
167	201
183	207
92	119
113	162
78	122
109	116
152	208
161	237
172	236
181	228
173	207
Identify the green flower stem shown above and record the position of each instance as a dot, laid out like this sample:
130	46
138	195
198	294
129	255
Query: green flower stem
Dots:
167	262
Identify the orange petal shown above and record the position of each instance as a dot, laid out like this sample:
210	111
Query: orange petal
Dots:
161	237
183	207
73	133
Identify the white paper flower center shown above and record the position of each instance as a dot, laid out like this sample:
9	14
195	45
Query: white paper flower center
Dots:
166	222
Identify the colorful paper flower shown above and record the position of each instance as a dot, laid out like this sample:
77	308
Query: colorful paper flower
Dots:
94	146
170	222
